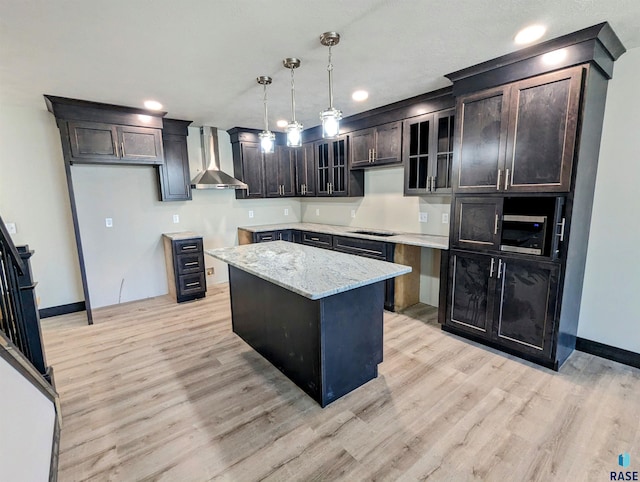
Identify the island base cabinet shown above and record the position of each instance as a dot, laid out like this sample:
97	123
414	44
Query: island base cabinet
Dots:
328	347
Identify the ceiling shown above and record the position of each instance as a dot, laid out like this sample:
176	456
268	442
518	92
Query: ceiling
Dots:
200	58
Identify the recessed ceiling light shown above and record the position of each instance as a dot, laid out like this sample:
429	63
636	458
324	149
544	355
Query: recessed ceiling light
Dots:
282	123
152	104
529	34
360	95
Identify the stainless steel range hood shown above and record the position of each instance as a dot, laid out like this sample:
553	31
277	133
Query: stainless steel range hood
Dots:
212	177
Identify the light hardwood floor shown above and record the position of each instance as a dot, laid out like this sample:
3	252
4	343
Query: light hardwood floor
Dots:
160	391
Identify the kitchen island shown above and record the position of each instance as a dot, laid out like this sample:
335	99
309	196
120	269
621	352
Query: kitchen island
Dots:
316	315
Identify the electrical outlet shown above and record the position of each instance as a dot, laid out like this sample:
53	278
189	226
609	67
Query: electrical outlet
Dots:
423	217
176	218
286	211
317	212
210	271
353	213
250	213
11	228
108	222
445	218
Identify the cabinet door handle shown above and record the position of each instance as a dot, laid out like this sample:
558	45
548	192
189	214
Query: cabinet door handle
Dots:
373	155
562	230
499	176
122	149
280	236
314	239
500	264
192	263
115	144
433	183
493	263
191	246
189	285
495	226
506	180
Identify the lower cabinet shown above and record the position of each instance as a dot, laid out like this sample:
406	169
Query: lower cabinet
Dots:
184	257
507	300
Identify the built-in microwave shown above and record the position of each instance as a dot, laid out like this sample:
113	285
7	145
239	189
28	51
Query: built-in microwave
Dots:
523	234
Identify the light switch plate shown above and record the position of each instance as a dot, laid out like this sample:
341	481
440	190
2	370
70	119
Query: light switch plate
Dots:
250	214
108	222
286	211
353	213
445	218
423	217
176	218
317	212
11	228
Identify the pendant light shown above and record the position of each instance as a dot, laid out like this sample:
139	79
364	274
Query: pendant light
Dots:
267	138
294	128
331	117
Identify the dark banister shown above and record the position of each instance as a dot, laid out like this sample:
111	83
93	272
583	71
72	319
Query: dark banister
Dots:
19	318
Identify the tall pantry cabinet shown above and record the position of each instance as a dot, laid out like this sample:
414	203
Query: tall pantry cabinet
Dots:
526	142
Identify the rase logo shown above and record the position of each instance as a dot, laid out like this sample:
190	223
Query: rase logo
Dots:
624	460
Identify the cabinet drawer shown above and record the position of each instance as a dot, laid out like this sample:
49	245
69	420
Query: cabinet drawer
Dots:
317	239
361	247
184	246
191	284
190	263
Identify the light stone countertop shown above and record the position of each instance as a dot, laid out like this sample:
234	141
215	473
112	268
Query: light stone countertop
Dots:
314	273
413	239
182	235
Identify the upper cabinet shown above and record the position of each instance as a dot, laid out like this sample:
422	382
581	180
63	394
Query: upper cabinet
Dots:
519	137
279	172
333	176
248	166
305	171
98	143
173	175
376	146
427	151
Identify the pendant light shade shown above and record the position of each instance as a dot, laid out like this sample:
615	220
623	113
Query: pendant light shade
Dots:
330	117
267	138
294	128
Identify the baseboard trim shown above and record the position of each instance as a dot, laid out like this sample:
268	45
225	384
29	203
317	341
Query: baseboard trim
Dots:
62	309
619	355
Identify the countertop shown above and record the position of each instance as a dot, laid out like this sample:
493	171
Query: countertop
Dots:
422	240
182	235
314	273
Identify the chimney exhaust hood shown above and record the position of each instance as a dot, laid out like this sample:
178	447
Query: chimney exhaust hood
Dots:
212	177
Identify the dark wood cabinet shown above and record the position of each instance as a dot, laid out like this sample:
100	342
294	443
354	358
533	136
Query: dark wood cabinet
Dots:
248	166
526	299
376	146
427	153
477	223
277	235
174	176
184	257
504	299
279	172
99	143
542	132
333	176
479	154
519	137
319	240
470	299
305	171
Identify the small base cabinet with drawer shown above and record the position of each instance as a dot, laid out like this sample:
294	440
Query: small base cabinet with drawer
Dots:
184	257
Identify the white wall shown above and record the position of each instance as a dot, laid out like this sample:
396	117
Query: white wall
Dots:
126	262
33	194
610	309
26	428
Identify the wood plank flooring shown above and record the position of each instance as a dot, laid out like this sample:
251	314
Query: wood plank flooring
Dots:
160	391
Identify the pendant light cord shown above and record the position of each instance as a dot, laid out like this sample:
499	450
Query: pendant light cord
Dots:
293	98
266	117
330	69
